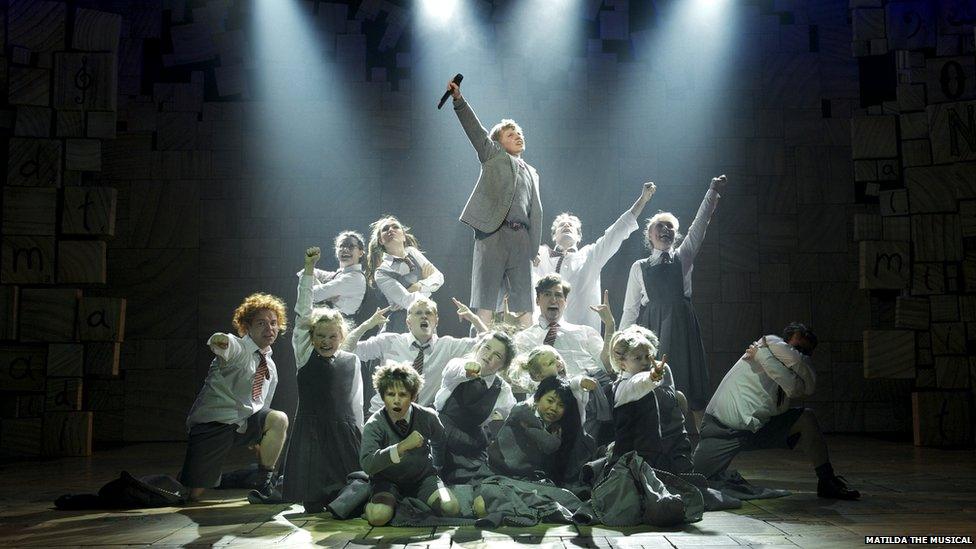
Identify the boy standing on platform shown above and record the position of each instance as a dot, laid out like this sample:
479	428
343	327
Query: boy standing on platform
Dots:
505	211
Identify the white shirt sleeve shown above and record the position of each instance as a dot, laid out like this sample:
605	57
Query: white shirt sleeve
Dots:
301	340
454	375
603	249
633	297
235	347
391	288
696	232
344	284
634	388
433	282
357	395
594	346
789	368
374	347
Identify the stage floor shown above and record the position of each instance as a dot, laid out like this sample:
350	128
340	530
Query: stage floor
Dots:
905	491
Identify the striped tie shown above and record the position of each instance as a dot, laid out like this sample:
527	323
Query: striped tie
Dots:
551	334
260	375
559	264
418	363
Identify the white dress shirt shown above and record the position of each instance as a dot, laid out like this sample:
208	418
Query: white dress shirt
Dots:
404	348
747	396
455	374
343	289
580	346
398	296
582	268
636	295
226	393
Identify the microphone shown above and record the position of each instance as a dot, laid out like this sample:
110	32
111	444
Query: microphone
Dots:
457	80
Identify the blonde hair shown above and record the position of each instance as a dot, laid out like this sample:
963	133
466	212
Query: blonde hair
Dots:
505	123
422	300
623	341
566	216
376	249
255	303
325	315
660	216
525	364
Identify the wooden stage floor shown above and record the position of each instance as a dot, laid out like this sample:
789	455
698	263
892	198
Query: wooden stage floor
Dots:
905	491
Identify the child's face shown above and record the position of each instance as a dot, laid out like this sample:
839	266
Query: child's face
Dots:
348	252
636	360
326	338
546	365
397	401
552	303
550	407
491	356
567	234
392	231
512	140
263	328
661	234
422	322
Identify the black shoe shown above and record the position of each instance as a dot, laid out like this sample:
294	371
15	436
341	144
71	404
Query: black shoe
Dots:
267	493
836	488
313	507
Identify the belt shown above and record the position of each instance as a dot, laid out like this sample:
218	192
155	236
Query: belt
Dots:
515	225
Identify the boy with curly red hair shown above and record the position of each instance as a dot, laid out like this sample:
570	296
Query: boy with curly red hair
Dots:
234	406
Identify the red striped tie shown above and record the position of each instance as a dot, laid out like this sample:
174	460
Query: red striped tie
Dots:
551	334
260	375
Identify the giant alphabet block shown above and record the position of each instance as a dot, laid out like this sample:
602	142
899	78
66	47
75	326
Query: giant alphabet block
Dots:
102	358
912	312
22	367
884	265
952	127
101	319
27	260
28	210
96	30
36	25
889	354
82	262
874	137
48	315
63	394
9	310
89	211
29	86
942	418
85	81
65	360
937	237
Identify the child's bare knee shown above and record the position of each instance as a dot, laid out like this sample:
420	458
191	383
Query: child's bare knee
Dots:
480	509
378	514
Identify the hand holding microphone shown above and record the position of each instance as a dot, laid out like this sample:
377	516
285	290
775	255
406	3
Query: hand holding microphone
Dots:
453	88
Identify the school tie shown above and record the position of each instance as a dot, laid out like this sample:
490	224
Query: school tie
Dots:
551	334
260	375
665	258
418	363
402	426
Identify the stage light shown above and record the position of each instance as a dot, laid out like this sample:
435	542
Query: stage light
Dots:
438	12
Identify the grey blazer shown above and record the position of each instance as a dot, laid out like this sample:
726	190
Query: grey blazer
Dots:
493	194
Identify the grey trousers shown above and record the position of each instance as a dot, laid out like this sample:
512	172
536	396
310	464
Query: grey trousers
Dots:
502	264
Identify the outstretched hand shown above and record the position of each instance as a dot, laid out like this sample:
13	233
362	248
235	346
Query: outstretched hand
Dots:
648	190
603	309
506	316
220	341
463	311
379	317
657	372
454	88
718	183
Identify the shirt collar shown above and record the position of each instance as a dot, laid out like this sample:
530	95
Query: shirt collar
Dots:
556	248
414	341
657	253
544	324
351	268
626	375
252	347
